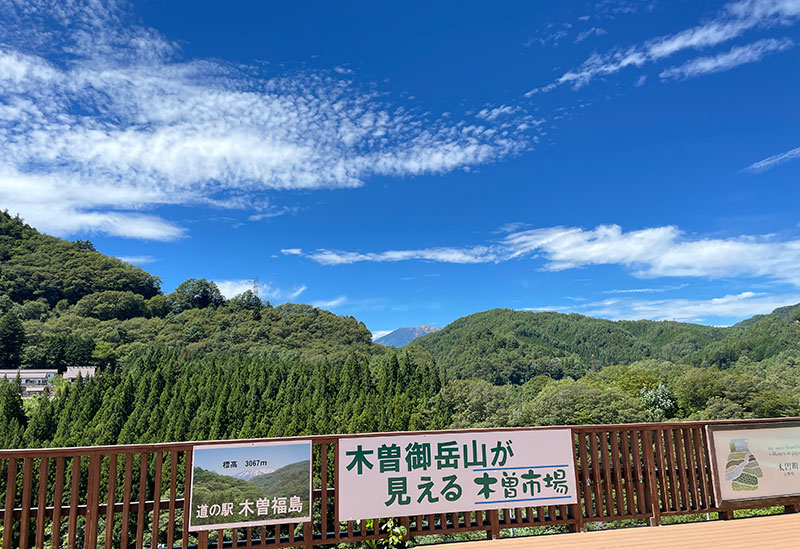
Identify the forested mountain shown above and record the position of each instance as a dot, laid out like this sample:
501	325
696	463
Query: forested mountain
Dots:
40	267
507	346
404	336
78	307
289	479
161	394
194	365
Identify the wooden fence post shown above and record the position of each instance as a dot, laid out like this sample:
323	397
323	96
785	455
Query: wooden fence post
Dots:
11	491
577	515
650	466
92	502
494	518
406	523
308	535
725	514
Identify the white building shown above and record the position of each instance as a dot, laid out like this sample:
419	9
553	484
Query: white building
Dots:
85	371
34	381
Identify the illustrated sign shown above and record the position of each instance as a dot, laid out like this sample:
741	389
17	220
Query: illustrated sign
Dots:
253	484
758	461
390	476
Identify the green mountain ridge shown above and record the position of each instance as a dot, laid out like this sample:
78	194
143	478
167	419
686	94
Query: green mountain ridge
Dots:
192	365
79	307
288	480
509	346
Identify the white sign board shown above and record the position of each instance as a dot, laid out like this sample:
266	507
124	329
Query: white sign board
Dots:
250	484
757	461
390	476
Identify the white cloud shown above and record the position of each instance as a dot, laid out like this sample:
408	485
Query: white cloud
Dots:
647	290
661	251
294	294
377	334
292	251
265	212
231	288
646	253
594	31
477	254
735	19
138	259
741	305
512	227
772	161
497	112
731	306
123	126
266	290
330	303
736	56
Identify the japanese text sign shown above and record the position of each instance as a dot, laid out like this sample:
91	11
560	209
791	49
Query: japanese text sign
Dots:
238	485
390	476
760	460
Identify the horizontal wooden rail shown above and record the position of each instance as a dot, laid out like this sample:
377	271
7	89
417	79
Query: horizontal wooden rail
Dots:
102	508
90	496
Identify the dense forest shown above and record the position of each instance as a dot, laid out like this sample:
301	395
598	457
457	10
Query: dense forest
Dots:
193	365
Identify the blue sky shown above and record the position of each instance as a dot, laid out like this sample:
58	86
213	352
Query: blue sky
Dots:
276	456
413	163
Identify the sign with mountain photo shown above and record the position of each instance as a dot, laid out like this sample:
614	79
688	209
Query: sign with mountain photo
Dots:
253	484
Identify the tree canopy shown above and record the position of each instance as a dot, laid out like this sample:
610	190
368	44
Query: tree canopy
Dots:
193	365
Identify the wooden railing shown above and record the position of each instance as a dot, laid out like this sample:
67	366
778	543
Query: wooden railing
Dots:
134	496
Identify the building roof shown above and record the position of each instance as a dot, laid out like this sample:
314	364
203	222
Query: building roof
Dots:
28	374
84	371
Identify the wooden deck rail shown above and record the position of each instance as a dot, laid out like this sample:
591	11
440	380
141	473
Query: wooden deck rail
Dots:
135	495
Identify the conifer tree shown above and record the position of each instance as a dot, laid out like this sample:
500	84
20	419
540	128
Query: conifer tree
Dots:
12	339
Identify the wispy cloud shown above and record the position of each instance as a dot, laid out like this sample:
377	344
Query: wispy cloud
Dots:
330	303
231	288
646	253
377	334
101	119
647	290
731	306
294	294
477	254
739	55
772	161
266	290
512	227
270	211
594	31
138	259
734	20
741	305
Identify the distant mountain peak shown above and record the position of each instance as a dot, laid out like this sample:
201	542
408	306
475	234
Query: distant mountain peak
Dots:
404	336
250	473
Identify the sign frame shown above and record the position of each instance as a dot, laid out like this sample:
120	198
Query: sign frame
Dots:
252	523
572	462
743	502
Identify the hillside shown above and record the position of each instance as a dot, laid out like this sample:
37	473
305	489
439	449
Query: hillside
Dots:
80	307
41	267
290	479
508	346
404	336
192	365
